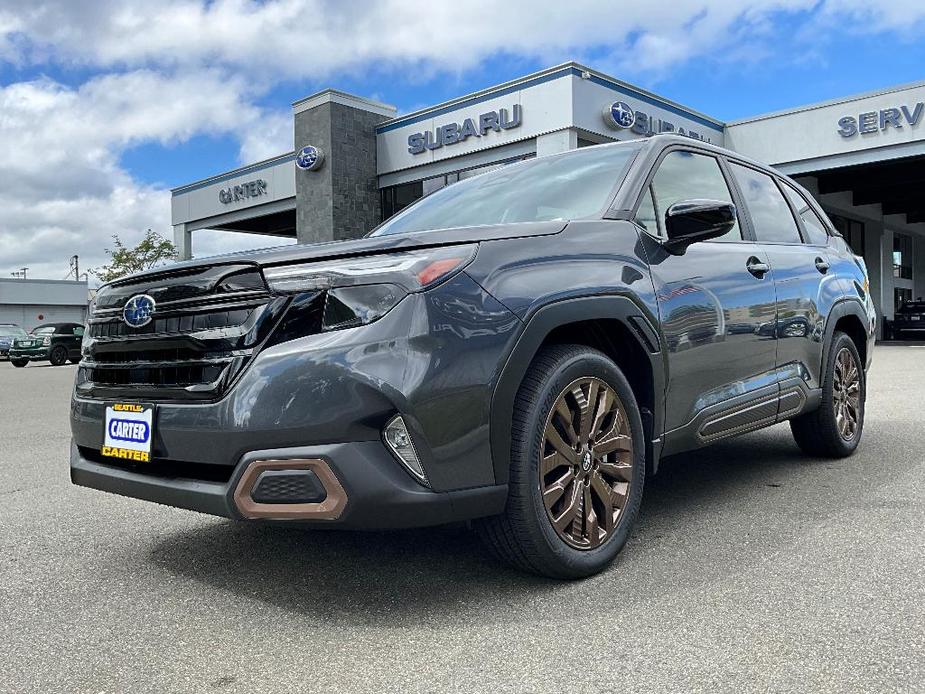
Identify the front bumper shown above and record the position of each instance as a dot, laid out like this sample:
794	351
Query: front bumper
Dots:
909	326
30	353
376	493
433	359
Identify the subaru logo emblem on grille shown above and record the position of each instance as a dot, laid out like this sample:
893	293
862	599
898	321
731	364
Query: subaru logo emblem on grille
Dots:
138	310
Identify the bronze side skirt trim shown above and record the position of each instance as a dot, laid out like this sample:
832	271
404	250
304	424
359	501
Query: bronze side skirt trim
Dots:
329	509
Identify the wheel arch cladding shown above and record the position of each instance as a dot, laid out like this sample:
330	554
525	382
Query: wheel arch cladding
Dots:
852	326
847	316
615	325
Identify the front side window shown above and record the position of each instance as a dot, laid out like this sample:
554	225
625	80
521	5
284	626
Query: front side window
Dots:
689	176
568	186
770	213
815	229
645	216
79	330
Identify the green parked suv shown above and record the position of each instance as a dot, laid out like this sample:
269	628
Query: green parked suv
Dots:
54	342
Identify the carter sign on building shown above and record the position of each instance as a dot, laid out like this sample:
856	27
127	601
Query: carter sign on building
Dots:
251	189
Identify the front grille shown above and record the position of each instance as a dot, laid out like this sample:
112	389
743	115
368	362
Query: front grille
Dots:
208	324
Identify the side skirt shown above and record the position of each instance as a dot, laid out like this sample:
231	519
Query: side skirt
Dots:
742	414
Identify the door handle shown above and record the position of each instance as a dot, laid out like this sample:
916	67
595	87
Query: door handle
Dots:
822	265
757	268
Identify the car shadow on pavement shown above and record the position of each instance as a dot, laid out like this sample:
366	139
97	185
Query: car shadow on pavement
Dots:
413	576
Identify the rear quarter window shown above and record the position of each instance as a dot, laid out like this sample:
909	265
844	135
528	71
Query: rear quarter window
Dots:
816	233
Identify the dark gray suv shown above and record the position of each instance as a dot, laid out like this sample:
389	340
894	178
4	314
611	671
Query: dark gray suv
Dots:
519	349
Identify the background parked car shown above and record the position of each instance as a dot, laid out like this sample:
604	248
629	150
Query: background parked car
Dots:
909	320
54	342
9	331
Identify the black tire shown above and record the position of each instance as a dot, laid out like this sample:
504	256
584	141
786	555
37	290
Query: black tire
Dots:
58	356
817	433
524	534
19	363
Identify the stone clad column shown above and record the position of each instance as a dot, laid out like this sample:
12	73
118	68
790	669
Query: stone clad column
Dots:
183	241
339	200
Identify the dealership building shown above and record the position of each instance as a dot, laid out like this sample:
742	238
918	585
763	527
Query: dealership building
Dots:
358	162
29	303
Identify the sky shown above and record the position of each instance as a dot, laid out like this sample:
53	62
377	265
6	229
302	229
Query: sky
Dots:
105	105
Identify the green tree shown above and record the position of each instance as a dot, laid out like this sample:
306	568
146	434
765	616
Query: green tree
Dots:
153	250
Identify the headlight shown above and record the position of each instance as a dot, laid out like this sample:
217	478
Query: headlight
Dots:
363	289
410	270
46	341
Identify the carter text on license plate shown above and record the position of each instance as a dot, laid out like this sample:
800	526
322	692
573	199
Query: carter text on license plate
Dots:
128	433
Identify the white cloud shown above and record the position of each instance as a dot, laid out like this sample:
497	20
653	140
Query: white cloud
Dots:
167	71
64	191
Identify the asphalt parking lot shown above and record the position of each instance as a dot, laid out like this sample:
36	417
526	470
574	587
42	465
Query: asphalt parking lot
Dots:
752	569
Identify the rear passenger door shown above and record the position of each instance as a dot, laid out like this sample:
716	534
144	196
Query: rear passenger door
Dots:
795	242
716	305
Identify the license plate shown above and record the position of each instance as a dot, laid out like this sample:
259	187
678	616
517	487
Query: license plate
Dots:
128	433
914	317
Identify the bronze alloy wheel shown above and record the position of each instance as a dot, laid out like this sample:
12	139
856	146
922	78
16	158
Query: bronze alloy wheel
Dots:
586	464
846	397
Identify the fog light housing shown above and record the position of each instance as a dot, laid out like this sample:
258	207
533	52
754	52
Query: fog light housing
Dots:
398	439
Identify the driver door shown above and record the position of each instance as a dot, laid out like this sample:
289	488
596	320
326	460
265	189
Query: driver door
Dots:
717	309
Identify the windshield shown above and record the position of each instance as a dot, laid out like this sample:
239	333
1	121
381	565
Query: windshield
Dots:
564	187
43	329
11	331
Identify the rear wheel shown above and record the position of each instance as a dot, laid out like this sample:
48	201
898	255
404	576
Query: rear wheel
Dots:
19	363
58	356
577	466
834	430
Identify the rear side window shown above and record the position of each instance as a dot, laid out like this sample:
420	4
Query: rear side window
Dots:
770	213
815	229
687	176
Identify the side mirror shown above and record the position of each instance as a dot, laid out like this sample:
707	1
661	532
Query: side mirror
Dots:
690	221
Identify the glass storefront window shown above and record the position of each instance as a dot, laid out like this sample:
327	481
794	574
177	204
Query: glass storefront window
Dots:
902	256
852	231
397	198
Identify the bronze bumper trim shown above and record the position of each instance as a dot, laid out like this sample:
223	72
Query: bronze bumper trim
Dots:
329	509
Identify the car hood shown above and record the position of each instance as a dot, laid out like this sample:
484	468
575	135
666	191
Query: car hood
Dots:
364	246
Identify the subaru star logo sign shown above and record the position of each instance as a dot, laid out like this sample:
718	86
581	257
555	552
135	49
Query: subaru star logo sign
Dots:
310	158
138	310
620	115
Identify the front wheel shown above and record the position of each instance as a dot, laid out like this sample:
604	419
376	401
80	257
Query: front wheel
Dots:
577	466
19	363
834	430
